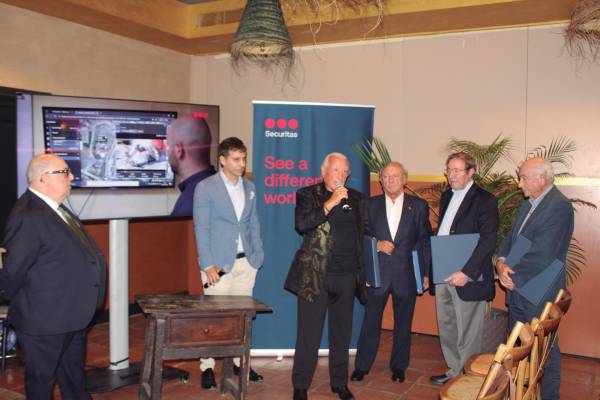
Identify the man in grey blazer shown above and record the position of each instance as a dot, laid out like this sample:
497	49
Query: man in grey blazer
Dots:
547	220
228	238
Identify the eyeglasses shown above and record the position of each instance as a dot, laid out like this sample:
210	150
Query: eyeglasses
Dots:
454	170
65	171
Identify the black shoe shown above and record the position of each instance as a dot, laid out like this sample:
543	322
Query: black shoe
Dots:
358	375
398	375
439	379
300	394
254	376
208	379
343	392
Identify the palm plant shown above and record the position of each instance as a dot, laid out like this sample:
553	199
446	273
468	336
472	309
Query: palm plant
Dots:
502	184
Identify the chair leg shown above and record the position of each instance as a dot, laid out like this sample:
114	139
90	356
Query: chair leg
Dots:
3	344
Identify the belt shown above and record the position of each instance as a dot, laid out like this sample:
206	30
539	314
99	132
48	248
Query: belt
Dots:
240	255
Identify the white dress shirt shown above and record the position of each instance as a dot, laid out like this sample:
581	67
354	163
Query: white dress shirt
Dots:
455	202
393	210
238	199
51	203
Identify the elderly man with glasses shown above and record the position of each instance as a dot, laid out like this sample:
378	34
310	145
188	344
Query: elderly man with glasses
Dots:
55	276
460	300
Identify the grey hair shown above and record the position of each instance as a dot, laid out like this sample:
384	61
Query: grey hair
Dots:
399	164
37	166
334	154
544	168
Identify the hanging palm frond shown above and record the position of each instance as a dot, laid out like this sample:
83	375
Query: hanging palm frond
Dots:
486	156
558	152
582	35
575	261
373	153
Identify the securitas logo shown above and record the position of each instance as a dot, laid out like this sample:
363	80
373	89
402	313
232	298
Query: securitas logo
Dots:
281	128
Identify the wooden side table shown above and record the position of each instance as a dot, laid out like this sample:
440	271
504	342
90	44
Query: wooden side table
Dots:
186	326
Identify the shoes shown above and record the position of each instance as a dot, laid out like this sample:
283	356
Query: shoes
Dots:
254	376
439	379
343	392
208	379
358	375
398	375
300	394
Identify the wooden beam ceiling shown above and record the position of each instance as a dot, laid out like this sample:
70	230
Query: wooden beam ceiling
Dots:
208	27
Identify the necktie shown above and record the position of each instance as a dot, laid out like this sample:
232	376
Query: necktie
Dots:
74	225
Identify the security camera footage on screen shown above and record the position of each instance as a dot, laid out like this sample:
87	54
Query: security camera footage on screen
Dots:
111	148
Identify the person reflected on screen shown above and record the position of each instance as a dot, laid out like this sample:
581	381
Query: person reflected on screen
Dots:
55	276
326	273
189	144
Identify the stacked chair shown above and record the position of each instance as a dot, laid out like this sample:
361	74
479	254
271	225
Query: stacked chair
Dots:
525	376
497	382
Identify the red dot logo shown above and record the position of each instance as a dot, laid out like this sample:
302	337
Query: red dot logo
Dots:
293	123
281	123
269	123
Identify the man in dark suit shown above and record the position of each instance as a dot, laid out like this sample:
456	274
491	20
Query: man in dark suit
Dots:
326	273
400	223
547	220
55	276
460	301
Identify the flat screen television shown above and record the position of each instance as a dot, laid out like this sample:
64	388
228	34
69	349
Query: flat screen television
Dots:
111	148
116	149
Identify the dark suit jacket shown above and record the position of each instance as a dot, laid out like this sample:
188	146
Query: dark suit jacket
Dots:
478	213
55	285
413	233
308	269
550	229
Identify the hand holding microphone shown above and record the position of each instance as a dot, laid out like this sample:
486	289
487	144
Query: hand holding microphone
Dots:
342	192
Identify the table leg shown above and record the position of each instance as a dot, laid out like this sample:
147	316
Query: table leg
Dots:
157	360
149	343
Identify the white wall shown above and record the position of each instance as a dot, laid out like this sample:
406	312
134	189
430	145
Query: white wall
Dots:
518	82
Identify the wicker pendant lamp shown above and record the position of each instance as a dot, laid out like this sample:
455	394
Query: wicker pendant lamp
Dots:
582	36
262	38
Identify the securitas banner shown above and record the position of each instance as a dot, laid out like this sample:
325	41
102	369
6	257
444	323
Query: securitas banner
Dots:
290	142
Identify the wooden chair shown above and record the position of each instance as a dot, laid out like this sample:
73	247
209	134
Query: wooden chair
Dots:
546	331
478	364
491	386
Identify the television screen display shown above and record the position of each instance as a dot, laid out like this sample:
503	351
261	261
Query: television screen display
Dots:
111	148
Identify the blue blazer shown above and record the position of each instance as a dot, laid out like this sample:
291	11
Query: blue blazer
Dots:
53	281
413	233
549	229
218	229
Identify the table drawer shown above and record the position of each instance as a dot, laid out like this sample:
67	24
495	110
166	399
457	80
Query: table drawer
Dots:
206	330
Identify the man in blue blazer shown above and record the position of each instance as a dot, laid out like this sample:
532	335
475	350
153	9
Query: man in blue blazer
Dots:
228	238
400	223
460	301
547	220
55	276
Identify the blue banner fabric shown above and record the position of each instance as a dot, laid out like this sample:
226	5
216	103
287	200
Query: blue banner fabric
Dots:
289	143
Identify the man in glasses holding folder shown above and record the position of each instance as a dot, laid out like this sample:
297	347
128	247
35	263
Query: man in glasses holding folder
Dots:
460	299
545	223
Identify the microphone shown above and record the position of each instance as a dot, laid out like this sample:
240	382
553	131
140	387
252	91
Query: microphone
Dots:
344	201
220	273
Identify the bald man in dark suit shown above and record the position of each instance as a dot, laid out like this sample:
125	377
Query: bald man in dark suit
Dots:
55	276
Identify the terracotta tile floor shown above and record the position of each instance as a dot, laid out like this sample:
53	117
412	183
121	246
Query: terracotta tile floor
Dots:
580	377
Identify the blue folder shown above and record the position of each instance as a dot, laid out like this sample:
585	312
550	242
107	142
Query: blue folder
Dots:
536	288
371	261
450	253
418	277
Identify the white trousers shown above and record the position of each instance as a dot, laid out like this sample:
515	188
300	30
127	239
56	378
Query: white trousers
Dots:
238	282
